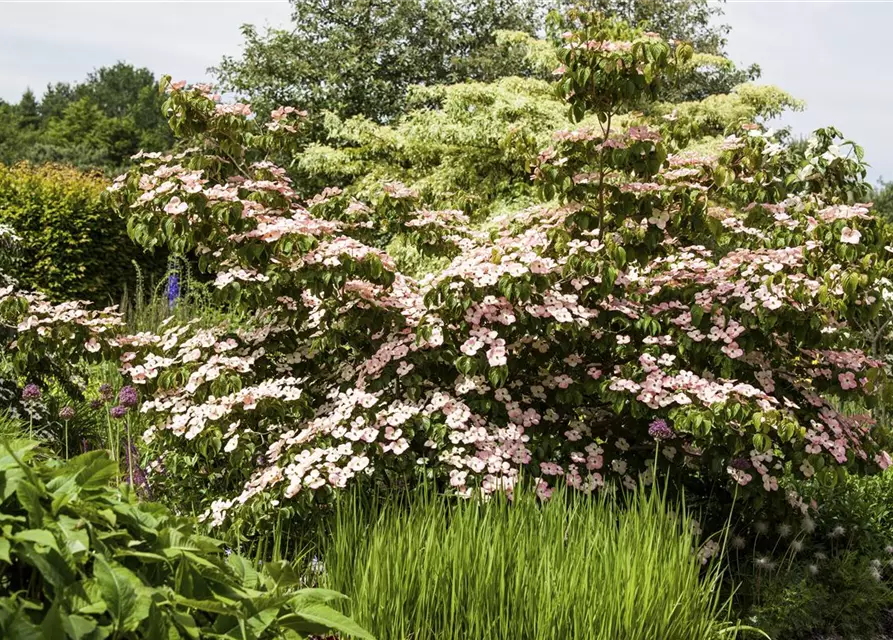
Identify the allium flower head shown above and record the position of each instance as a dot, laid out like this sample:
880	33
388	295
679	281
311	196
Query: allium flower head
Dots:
67	413
127	397
95	404
106	392
31	392
837	532
659	430
119	412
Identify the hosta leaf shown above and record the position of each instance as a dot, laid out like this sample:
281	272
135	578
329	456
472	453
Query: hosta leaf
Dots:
86	598
143	555
76	537
211	606
123	593
77	627
160	627
318	619
38	536
306	597
51	626
186	623
50	564
282	574
94	470
244	570
29	496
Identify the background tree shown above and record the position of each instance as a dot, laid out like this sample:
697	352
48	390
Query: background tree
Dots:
98	123
883	199
373	50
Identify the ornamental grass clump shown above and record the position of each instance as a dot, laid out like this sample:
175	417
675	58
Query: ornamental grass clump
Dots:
573	568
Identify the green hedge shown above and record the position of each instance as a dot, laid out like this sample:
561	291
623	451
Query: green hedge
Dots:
73	245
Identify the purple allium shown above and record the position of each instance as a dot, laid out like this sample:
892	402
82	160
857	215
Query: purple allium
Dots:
740	463
67	413
118	412
95	404
106	392
31	392
660	430
127	397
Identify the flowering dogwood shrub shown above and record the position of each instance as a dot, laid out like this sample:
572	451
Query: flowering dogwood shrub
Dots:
648	300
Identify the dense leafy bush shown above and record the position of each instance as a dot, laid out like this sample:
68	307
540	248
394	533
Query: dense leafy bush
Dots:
82	559
701	300
574	568
72	244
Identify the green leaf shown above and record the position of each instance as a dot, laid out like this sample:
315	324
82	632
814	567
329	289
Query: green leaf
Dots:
51	626
29	496
51	564
211	606
244	570
96	470
306	597
123	594
77	627
38	536
318	619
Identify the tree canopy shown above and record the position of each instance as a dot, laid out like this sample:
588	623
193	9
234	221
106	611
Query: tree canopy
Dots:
98	123
374	50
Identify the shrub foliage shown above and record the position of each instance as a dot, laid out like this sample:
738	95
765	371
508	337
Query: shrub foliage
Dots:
72	244
705	301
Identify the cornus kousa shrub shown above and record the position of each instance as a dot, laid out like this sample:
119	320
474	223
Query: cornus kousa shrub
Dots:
644	303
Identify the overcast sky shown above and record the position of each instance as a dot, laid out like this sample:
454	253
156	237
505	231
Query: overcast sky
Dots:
832	54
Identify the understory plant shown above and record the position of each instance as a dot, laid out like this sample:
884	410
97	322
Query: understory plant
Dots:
81	558
420	565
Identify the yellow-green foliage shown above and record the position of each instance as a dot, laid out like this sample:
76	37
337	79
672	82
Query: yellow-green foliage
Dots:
470	145
475	137
73	246
715	114
539	54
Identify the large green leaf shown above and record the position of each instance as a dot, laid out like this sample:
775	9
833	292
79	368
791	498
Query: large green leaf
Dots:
245	572
50	563
30	496
210	606
94	470
319	619
123	593
78	627
38	536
